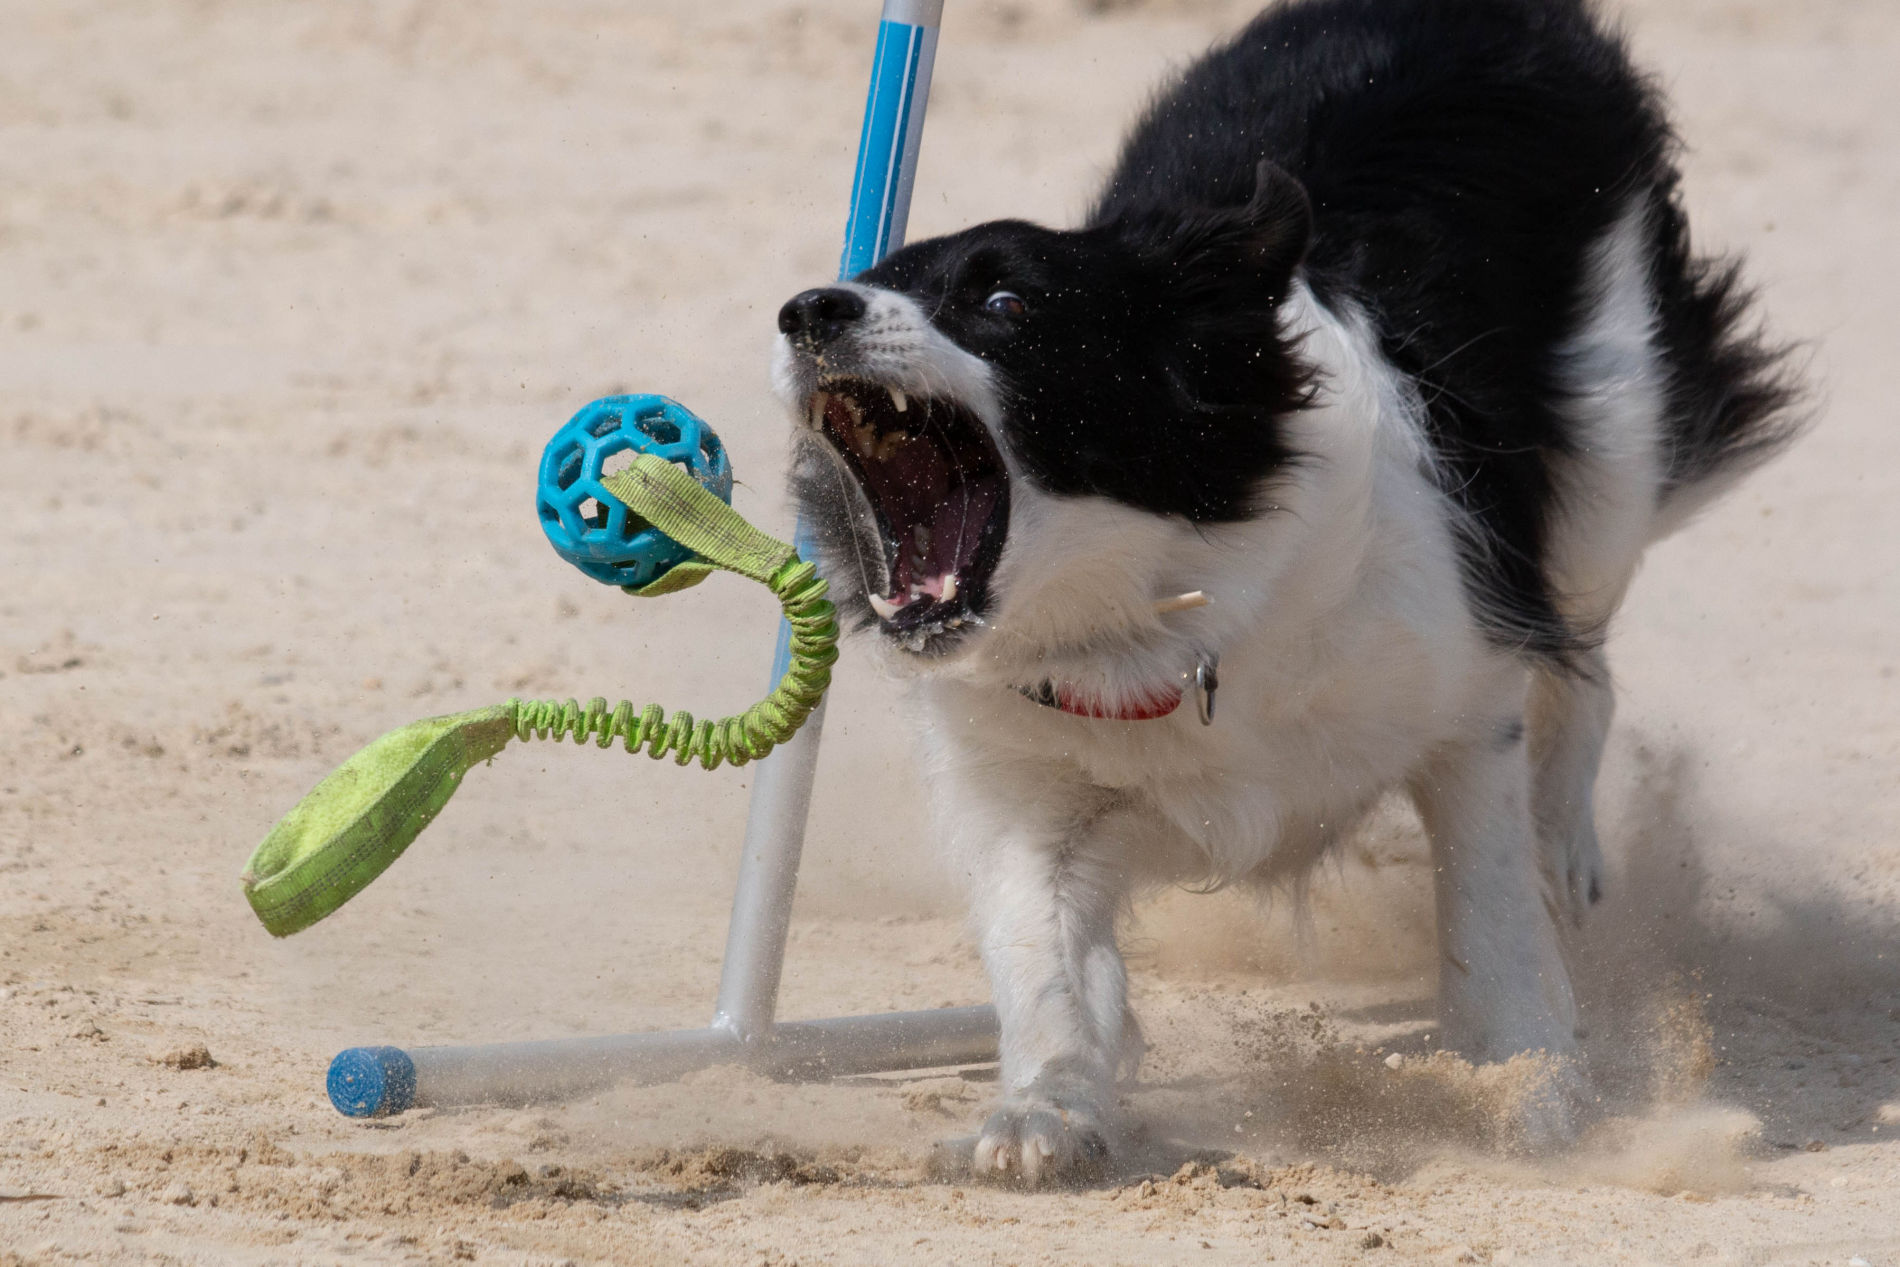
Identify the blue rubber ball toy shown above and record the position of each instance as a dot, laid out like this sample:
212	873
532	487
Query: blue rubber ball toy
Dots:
585	523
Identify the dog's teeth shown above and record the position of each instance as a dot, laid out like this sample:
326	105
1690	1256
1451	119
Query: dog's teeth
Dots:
899	400
890	444
884	607
949	586
817	416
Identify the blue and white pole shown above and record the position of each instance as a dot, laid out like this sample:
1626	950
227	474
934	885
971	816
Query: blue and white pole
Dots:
376	1081
781	790
893	132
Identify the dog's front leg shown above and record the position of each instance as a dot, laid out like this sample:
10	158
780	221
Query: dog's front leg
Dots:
1046	904
1503	986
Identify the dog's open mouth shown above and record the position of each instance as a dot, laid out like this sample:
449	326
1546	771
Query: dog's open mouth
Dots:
935	482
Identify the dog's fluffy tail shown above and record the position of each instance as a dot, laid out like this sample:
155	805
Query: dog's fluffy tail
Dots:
1735	398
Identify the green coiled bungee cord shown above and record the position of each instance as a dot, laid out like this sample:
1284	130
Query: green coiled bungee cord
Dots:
358	820
737	739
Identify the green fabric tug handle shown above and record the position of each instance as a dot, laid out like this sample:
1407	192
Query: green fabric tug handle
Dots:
361	817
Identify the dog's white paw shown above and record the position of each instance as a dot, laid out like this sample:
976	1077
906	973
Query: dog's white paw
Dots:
1573	870
1582	874
1549	1114
1036	1140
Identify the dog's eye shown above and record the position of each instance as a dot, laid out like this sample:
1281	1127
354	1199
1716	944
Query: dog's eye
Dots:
1006	303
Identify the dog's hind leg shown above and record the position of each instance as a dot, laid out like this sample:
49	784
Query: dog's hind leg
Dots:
1569	720
1047	909
1503	986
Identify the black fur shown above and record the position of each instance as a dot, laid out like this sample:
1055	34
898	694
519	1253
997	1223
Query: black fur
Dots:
1458	160
1731	392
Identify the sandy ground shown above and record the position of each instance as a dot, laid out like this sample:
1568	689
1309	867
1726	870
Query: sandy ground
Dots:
290	297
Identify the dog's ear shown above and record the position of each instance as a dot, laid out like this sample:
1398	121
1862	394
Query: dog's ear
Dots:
1219	276
1209	253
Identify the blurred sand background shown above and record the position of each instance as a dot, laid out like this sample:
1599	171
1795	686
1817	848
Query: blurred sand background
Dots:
290	297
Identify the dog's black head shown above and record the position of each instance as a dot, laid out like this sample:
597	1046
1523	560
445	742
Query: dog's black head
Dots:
1140	360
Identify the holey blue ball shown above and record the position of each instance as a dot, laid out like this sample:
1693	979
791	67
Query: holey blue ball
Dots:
587	525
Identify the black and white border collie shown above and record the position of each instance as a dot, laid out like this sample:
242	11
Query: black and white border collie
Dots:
1387	337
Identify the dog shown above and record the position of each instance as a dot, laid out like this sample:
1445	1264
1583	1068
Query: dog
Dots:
1386	338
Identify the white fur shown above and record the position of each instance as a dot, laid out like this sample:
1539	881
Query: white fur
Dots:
1614	382
1607	513
1350	664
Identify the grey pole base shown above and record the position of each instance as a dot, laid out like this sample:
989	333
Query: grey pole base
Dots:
380	1081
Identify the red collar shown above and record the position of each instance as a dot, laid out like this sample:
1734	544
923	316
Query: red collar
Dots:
1159	701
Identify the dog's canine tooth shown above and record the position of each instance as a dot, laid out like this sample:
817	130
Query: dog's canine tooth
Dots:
899	400
949	586
884	607
815	417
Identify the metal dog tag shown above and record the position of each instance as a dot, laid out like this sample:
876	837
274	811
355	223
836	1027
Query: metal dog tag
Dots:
1206	682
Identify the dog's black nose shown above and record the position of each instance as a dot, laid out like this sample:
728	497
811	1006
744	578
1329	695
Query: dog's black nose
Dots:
819	316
